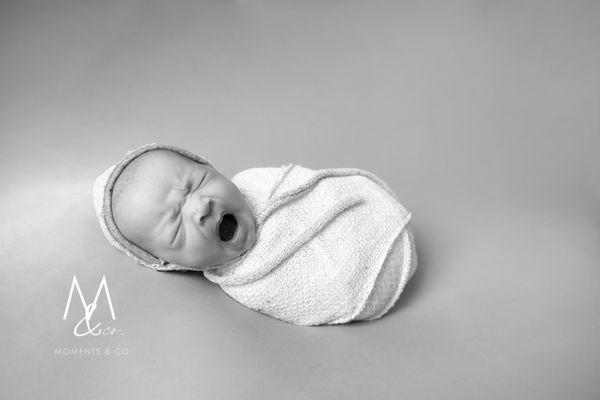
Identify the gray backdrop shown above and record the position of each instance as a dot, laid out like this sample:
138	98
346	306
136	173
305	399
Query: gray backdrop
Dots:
483	117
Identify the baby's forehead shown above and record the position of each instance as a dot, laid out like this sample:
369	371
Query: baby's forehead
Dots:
148	183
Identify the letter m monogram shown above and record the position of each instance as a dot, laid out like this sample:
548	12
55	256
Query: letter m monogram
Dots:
89	308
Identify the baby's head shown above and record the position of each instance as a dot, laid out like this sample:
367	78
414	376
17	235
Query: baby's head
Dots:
182	211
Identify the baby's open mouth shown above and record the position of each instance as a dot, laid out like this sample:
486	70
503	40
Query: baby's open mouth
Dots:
228	227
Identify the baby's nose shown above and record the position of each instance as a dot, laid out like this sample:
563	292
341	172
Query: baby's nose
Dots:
204	208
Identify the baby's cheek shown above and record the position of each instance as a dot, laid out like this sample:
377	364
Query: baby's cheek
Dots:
203	254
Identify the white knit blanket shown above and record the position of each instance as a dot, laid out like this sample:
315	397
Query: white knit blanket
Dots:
333	246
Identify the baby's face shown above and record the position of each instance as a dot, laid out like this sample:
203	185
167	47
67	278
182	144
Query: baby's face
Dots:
185	212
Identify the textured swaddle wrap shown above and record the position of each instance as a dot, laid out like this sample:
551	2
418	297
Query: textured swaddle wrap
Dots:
332	245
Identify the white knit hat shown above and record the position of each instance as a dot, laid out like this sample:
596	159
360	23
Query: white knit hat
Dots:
102	196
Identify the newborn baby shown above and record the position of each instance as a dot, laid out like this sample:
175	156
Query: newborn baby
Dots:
308	247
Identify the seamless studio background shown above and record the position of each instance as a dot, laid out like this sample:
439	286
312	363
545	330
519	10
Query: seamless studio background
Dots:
484	117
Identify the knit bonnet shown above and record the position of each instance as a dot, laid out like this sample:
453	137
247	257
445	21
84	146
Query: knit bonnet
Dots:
102	196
